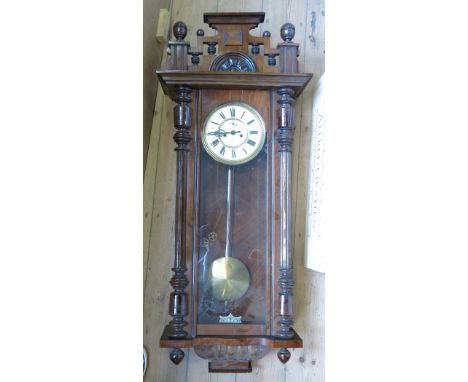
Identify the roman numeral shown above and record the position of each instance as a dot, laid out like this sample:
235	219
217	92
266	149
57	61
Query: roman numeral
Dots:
251	143
244	150
222	115
223	149
242	114
233	154
253	132
233	112
215	123
215	142
252	121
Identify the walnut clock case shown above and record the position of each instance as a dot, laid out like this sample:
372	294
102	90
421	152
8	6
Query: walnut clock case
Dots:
232	297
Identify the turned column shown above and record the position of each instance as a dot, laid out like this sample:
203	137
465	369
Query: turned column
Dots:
285	137
178	303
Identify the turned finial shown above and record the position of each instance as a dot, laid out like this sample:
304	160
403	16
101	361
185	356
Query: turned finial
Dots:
176	356
200	32
287	32
266	34
179	30
283	355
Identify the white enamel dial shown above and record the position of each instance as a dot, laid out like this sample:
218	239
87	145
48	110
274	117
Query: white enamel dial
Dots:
233	133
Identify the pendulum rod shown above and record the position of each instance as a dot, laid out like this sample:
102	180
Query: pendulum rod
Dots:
229	212
229	218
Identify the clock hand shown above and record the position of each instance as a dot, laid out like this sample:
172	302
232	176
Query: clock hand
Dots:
222	133
219	133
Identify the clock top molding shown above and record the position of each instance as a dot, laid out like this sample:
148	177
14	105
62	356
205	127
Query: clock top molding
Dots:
233	58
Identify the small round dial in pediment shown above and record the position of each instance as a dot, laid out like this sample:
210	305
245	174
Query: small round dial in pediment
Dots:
233	62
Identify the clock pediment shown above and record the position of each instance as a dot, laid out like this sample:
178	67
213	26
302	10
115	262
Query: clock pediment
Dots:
233	48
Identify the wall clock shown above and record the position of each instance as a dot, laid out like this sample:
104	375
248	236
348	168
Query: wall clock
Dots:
232	283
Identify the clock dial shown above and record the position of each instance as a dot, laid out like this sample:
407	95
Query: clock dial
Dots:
233	133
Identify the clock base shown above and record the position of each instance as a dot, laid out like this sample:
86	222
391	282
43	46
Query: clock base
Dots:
231	353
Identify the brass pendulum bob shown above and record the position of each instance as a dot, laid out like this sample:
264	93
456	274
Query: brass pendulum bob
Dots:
229	277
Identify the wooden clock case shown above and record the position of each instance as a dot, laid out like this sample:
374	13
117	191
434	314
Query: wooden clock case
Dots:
233	66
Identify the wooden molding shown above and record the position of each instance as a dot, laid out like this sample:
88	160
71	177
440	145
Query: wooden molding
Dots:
171	79
269	341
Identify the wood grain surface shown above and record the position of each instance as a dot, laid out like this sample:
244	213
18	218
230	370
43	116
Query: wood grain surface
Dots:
306	364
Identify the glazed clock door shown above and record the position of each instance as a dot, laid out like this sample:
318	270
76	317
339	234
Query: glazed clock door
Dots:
233	220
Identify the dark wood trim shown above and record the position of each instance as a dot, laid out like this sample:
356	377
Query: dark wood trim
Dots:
226	329
196	209
269	341
170	80
256	18
192	219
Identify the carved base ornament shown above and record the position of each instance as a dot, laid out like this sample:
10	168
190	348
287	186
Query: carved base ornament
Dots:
232	283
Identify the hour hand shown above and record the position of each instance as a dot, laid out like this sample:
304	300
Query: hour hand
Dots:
219	133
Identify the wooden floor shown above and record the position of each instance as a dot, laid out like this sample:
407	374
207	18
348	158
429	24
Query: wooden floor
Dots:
306	364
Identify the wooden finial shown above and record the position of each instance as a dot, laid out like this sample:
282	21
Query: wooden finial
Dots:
283	355
179	30
288	50
287	32
176	356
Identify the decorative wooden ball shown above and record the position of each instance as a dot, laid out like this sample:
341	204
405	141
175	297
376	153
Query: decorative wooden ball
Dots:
287	32
179	30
